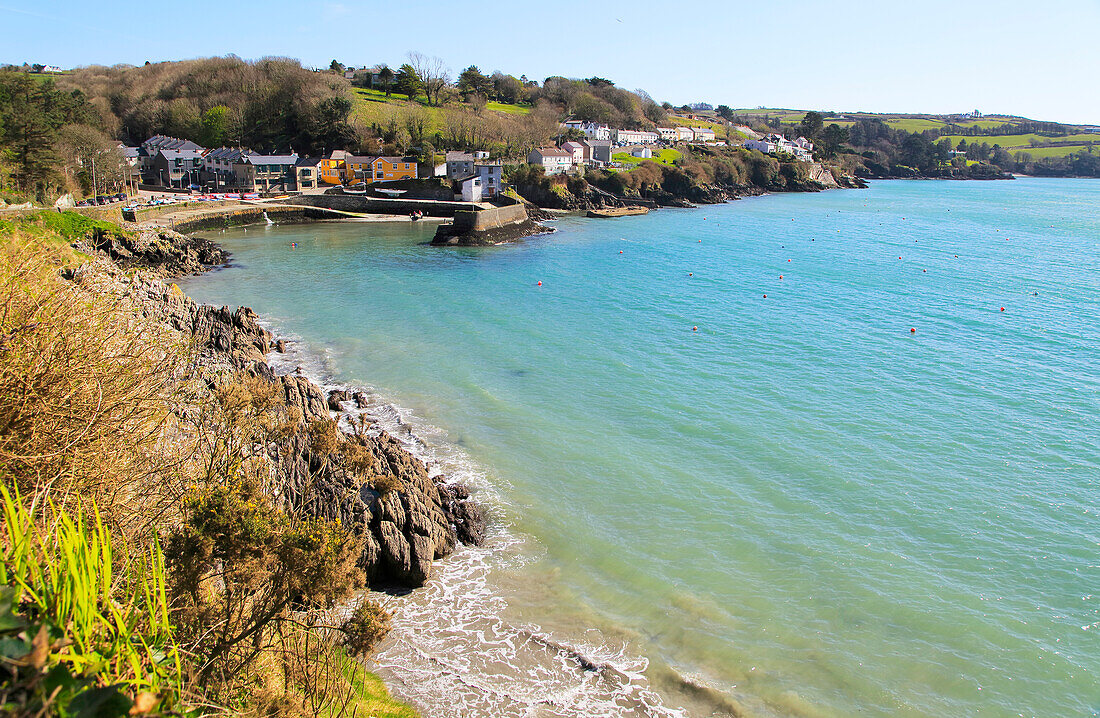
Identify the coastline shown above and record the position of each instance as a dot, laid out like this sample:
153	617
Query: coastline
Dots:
457	611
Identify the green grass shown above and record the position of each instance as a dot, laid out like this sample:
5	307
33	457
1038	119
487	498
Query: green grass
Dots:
662	157
508	109
916	124
1023	141
372	699
1040	152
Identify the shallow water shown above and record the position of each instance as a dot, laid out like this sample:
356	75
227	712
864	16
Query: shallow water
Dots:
801	509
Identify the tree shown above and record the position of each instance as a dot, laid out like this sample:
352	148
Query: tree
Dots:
725	112
407	81
832	138
330	128
507	88
214	129
385	76
811	125
93	158
433	74
336	67
471	81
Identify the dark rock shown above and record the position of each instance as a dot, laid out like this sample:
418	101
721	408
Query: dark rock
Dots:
361	400
280	346
158	249
335	397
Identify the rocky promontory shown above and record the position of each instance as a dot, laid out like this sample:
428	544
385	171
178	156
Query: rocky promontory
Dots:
404	516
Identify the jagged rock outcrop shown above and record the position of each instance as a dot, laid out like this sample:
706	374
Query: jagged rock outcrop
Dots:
405	517
162	250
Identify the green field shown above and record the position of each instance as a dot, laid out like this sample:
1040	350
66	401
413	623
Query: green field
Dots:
1016	143
372	106
1040	152
661	157
508	109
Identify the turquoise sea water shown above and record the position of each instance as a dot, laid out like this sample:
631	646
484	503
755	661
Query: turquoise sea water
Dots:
800	509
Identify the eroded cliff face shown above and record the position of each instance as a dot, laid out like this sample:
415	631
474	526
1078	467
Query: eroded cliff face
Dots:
406	517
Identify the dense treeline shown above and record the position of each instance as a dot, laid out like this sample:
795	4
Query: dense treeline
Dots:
49	139
270	105
598	100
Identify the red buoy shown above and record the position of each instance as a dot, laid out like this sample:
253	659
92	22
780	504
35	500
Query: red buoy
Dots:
540	283
780	276
620	251
1002	309
765	296
912	331
695	329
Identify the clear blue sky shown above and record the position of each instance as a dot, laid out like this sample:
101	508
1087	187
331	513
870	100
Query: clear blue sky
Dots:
1034	59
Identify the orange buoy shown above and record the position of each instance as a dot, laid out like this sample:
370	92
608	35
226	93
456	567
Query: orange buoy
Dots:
540	283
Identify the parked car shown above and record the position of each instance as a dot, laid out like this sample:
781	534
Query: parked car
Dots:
121	197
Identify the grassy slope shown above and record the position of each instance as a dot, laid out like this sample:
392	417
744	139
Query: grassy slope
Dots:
372	106
661	157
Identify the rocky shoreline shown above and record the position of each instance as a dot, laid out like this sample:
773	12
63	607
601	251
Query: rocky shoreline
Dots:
405	517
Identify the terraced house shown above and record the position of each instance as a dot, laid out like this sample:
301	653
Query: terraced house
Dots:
266	173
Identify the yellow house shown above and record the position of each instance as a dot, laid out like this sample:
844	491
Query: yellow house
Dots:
379	169
333	169
388	169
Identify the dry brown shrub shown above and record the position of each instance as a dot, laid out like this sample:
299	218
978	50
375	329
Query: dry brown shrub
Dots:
86	388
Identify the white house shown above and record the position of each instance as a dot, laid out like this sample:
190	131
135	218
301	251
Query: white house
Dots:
702	134
641	151
596	132
668	134
577	150
684	134
553	160
762	145
634	137
591	130
771	144
471	188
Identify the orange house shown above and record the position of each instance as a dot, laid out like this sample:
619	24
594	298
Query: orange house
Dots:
388	169
333	170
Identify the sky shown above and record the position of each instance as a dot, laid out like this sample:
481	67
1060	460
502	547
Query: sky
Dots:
1038	60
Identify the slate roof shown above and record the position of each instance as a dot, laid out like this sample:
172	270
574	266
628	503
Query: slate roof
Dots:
181	154
163	142
270	159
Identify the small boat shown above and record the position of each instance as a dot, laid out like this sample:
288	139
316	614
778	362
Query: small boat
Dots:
416	215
